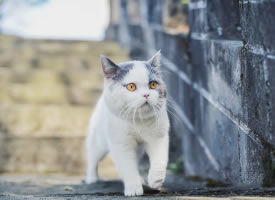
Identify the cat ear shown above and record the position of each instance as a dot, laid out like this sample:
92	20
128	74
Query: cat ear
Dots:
155	60
109	67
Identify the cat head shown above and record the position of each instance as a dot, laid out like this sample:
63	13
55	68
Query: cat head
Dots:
134	87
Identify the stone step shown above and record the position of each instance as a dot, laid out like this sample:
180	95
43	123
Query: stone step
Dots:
49	155
48	87
48	90
28	120
43	138
46	139
55	48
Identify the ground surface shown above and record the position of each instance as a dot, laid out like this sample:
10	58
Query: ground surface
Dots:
69	187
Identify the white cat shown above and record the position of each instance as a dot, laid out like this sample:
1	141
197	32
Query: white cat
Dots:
130	112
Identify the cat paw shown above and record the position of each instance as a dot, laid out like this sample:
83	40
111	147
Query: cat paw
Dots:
155	181
90	180
133	190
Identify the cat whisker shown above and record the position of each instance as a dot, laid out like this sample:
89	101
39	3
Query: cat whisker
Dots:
156	116
134	117
139	114
125	110
174	114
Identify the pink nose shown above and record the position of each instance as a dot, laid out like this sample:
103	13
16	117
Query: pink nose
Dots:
146	96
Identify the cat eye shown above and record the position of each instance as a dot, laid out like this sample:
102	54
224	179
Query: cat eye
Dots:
131	87
153	84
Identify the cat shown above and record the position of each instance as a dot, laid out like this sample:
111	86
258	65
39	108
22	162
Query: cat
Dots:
130	112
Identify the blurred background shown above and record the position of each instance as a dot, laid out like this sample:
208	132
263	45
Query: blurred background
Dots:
218	61
50	79
47	19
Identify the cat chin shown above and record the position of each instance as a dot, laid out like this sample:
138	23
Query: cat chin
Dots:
146	106
147	109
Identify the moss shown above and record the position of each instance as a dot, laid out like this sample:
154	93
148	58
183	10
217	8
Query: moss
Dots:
195	178
184	2
209	182
177	167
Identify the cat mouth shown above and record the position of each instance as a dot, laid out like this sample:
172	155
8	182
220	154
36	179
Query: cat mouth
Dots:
145	104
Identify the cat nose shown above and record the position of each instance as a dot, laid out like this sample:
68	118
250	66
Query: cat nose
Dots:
146	96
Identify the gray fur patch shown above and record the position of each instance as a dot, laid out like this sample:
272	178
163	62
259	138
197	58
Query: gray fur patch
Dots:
153	72
123	70
155	75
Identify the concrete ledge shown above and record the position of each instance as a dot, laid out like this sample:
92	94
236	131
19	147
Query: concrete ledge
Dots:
183	189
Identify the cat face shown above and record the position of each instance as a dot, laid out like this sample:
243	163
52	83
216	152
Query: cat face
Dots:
134	89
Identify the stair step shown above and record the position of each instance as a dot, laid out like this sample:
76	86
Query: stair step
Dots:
48	90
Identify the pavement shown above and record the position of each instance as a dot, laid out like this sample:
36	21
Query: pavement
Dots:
57	187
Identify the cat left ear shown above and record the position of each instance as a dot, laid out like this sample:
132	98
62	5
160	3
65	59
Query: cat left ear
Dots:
155	60
109	67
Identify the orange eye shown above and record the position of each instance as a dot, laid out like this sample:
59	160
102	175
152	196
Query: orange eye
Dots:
153	85
131	87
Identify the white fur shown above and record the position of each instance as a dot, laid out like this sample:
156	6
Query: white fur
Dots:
114	128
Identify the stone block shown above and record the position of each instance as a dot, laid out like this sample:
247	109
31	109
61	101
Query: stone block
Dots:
44	120
45	62
219	149
199	67
223	19
217	69
82	78
154	11
84	96
255	94
186	100
5	76
179	93
181	54
21	70
197	16
38	94
136	33
4	94
253	161
40	155
175	142
49	155
45	77
211	18
195	160
172	83
258	25
175	49
269	70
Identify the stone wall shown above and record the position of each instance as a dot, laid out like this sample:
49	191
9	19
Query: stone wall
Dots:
220	81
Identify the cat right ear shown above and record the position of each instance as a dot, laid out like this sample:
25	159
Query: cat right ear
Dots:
109	67
155	60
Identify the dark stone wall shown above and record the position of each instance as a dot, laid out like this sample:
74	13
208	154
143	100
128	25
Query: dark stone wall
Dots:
221	83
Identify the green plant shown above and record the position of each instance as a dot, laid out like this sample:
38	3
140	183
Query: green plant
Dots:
177	167
184	1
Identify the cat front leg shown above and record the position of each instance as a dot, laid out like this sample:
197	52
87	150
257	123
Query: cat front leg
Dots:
95	153
157	151
126	161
